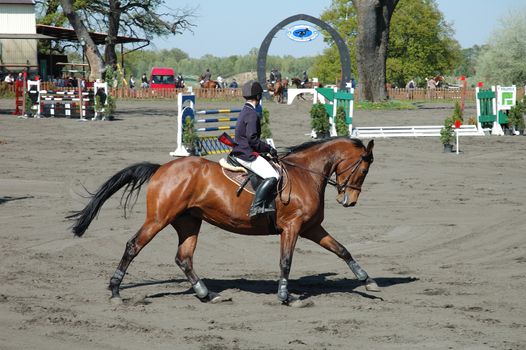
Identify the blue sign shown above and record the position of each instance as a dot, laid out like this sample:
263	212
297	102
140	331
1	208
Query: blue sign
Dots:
302	33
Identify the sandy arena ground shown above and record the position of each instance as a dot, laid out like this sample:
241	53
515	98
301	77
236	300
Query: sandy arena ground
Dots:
444	236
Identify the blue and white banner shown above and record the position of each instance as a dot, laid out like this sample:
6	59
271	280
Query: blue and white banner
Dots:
302	32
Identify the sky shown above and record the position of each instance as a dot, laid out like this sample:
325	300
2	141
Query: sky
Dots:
233	27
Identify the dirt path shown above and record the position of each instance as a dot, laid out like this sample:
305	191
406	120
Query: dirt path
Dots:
442	234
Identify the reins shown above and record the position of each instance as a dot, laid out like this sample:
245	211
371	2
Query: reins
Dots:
330	181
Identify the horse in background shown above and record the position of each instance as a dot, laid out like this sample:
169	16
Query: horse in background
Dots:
210	84
278	89
308	85
434	83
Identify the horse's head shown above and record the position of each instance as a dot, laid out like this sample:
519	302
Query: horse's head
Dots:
350	175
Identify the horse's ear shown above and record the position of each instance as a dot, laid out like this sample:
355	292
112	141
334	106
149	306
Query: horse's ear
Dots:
370	147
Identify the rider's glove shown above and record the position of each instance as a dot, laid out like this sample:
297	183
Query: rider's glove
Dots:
273	152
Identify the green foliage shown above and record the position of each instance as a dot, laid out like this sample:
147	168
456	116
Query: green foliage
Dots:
5	91
28	104
190	137
111	107
446	133
516	115
319	119
421	42
265	125
503	63
342	129
140	62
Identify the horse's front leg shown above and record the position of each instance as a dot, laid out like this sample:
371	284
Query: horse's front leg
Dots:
323	238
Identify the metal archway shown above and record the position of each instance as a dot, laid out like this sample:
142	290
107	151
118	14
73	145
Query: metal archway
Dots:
345	58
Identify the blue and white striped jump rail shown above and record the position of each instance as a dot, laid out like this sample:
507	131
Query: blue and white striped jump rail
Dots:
218	111
216	128
207	144
216	120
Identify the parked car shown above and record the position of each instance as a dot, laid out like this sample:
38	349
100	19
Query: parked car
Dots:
162	78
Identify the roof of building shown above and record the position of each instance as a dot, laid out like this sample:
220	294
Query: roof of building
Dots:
17	2
60	33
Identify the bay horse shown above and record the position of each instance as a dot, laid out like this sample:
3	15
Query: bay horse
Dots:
186	191
278	88
309	85
210	84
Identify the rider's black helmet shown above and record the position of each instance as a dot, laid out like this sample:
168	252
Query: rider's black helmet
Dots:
252	90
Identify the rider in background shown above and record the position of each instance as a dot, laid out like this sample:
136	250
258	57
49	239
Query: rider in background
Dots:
272	76
305	79
249	147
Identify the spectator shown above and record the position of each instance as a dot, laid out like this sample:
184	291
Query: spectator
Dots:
20	76
9	79
132	82
144	81
233	84
409	87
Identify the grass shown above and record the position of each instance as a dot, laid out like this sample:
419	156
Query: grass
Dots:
388	105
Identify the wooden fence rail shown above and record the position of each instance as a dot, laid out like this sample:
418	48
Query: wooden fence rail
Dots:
437	95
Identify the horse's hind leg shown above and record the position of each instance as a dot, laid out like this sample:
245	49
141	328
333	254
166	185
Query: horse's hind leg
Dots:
187	228
145	234
324	239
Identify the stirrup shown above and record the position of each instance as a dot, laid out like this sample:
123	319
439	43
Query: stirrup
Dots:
256	211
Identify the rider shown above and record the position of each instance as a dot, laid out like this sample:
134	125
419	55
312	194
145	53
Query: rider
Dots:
249	146
277	74
207	76
272	76
305	79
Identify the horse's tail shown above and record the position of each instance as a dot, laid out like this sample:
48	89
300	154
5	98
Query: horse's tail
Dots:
133	177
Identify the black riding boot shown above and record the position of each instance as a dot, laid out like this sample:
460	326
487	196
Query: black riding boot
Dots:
264	195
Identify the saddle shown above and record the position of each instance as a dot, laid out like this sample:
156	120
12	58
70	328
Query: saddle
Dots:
246	180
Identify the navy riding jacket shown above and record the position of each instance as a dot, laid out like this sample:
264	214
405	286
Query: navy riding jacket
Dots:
248	132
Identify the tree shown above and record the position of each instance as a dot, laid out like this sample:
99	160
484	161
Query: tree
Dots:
503	62
139	19
91	50
342	17
421	43
374	18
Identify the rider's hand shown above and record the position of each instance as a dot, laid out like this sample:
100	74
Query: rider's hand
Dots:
273	152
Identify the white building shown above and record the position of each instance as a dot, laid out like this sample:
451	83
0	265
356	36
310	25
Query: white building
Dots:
18	37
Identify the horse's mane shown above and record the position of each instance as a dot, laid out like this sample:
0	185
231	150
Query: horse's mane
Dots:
309	144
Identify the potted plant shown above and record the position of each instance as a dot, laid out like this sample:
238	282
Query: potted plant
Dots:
319	121
342	129
266	133
446	134
190	138
109	109
516	117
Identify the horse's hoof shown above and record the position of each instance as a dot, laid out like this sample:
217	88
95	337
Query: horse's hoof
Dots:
371	286
116	300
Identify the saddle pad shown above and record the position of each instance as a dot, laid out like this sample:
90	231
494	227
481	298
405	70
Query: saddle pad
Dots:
238	178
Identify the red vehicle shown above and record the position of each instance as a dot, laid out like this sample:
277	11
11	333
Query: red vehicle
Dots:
162	78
